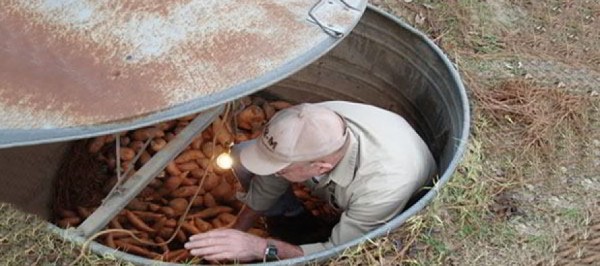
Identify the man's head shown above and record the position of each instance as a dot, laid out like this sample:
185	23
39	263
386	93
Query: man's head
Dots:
296	142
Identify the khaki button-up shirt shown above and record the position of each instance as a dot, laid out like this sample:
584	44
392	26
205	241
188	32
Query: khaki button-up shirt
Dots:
385	164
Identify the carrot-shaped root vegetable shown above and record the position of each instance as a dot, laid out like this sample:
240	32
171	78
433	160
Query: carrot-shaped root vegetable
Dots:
202	225
278	105
189	166
96	144
184	192
172	169
157	144
269	110
138	223
69	222
189	155
190	227
209	201
127	154
251	118
210	212
147	133
131	248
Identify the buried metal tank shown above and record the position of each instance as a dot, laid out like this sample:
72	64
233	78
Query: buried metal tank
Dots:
387	63
383	62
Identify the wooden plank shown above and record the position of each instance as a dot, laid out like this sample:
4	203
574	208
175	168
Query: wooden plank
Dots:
136	183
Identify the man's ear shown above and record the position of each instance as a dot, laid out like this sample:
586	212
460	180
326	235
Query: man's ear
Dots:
323	167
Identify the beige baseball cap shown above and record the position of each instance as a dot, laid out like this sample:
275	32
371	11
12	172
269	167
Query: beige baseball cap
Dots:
299	133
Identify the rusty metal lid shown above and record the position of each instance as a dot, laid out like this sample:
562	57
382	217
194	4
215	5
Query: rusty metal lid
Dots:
75	69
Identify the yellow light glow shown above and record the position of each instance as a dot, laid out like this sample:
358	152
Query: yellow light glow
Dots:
224	161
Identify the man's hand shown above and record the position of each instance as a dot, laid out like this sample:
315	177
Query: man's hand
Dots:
227	244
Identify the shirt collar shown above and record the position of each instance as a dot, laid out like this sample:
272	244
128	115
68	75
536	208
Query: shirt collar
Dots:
345	170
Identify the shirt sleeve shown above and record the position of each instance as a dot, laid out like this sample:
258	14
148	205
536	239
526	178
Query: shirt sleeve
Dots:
263	192
366	213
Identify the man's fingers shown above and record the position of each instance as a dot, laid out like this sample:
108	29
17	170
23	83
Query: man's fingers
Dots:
207	250
205	242
213	233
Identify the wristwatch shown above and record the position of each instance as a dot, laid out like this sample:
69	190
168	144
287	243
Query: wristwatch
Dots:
270	252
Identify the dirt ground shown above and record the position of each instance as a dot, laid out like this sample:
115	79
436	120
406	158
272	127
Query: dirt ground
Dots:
527	190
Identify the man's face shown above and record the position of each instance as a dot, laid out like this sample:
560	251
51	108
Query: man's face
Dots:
299	172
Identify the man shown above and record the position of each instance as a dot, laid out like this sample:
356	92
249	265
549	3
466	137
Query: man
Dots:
365	161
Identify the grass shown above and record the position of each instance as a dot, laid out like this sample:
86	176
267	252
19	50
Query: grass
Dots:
526	190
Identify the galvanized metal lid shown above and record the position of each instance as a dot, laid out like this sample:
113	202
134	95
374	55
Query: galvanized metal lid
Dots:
74	69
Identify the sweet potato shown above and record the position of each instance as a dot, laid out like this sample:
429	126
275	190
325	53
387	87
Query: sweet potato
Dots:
222	132
278	105
157	144
175	255
181	236
222	191
179	205
210	212
211	181
69	222
227	218
153	207
96	144
167	125
189	181
209	200
172	183
169	136
131	248
147	133
189	166
189	155
115	224
204	164
245	101
126	154
172	169
138	223
181	256
168	211
136	145
124	141
184	192
197	143
171	223
161	244
269	110
137	205
202	225
148	216
197	173
190	227
110	241
187	118
240	137
251	118
166	232
160	223
208	149
198	201
216	223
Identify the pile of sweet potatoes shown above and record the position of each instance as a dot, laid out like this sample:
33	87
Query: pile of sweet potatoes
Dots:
191	179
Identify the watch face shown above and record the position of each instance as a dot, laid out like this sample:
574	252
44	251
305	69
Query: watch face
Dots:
271	252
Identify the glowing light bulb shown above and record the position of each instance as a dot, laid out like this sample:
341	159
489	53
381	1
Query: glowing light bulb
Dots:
224	161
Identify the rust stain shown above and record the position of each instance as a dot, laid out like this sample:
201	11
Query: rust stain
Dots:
87	62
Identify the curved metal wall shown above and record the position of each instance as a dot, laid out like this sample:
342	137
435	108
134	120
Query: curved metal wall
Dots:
387	63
